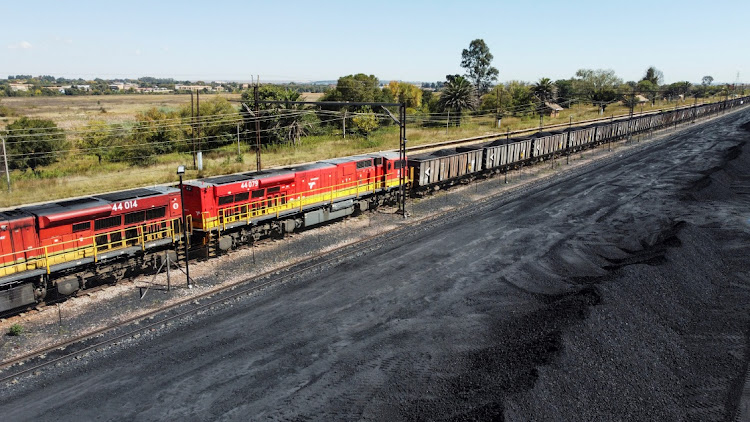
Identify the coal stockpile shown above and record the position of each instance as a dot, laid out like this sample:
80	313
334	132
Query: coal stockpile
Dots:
619	291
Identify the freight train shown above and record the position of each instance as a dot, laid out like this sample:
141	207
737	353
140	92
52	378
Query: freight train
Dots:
58	248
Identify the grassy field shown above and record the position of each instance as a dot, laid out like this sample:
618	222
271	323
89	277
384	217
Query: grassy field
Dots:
73	112
82	174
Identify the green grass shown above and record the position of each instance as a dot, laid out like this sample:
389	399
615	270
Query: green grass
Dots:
78	175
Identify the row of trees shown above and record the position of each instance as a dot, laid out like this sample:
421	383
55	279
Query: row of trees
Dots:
47	85
33	143
594	86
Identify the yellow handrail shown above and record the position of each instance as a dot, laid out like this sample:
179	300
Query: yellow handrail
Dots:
227	215
73	249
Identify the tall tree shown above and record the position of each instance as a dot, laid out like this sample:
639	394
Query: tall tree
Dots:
278	122
96	139
32	143
477	61
707	80
458	95
158	129
598	86
356	88
654	75
565	93
217	123
405	92
544	89
366	121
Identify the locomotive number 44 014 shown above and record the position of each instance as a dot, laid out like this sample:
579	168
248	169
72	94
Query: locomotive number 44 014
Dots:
126	205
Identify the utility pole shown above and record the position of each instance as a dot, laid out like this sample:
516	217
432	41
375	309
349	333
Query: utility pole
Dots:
256	94
630	118
447	121
570	129
5	159
239	154
695	106
192	127
402	155
497	111
541	118
343	122
198	118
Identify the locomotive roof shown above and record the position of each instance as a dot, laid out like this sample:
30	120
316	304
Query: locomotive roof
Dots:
391	155
348	159
382	154
11	215
234	178
312	166
136	193
65	206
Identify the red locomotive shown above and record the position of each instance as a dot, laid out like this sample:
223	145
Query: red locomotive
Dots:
65	245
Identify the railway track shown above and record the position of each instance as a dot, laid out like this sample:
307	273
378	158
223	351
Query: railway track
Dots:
36	361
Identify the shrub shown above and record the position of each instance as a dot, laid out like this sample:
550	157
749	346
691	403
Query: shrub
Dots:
15	330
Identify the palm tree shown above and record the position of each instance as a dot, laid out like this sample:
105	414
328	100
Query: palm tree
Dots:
544	89
458	94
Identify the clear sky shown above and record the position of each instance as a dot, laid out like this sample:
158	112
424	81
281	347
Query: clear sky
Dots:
403	40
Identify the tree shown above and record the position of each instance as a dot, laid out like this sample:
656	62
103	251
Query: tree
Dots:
497	99
654	75
32	143
127	146
279	122
678	88
707	80
356	88
218	122
565	92
544	89
407	93
158	129
521	97
477	61
598	86
366	121
648	89
97	137
458	95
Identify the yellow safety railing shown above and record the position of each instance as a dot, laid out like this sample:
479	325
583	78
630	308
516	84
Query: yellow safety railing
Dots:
275	205
88	247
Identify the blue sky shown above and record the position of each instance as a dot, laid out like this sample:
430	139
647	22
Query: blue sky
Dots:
404	40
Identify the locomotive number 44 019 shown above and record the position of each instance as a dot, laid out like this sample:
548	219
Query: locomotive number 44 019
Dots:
126	205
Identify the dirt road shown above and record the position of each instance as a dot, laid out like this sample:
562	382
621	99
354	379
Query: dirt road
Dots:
620	293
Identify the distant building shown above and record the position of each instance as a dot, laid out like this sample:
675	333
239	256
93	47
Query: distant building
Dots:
122	86
552	108
641	99
20	87
192	87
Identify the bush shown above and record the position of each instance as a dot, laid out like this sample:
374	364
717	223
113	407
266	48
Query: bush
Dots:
15	330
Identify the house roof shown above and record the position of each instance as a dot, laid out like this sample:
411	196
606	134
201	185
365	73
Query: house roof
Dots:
553	106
